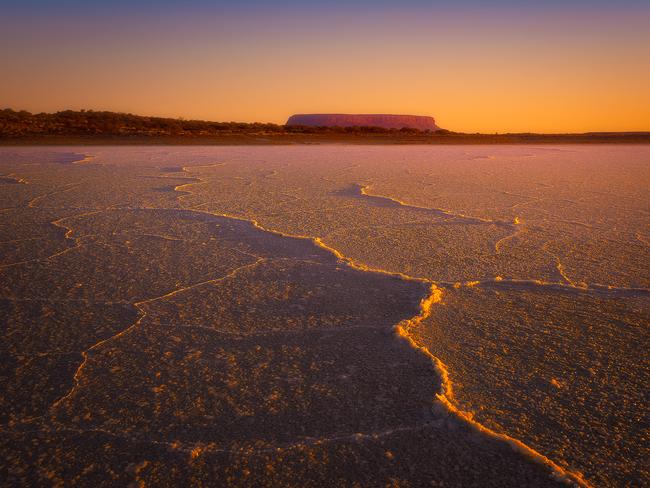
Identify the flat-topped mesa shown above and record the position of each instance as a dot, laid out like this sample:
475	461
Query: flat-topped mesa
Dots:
365	120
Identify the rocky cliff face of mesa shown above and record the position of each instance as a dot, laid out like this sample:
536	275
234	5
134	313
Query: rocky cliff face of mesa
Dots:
365	120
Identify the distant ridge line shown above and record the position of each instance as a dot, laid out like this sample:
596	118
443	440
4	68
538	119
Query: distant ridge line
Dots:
385	121
88	127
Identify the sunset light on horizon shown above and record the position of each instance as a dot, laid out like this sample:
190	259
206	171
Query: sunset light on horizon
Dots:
507	67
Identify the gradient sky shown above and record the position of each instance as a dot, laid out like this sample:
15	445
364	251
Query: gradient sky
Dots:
475	66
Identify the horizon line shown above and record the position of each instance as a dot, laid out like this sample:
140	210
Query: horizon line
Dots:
232	121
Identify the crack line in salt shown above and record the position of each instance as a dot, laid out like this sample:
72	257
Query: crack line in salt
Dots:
402	329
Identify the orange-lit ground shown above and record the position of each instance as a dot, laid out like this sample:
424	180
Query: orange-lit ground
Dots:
310	316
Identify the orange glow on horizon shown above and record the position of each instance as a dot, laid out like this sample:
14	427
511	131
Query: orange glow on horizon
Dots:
472	71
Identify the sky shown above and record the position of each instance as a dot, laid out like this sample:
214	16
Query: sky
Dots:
476	66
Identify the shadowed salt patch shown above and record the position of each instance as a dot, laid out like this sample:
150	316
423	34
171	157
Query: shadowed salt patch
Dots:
197	385
292	295
31	156
12	180
435	455
42	345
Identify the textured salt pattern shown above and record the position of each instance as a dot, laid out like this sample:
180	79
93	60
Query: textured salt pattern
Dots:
484	307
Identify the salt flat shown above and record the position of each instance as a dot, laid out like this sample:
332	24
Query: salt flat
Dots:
300	315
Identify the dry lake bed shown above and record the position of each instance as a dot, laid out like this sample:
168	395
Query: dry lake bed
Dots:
325	315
